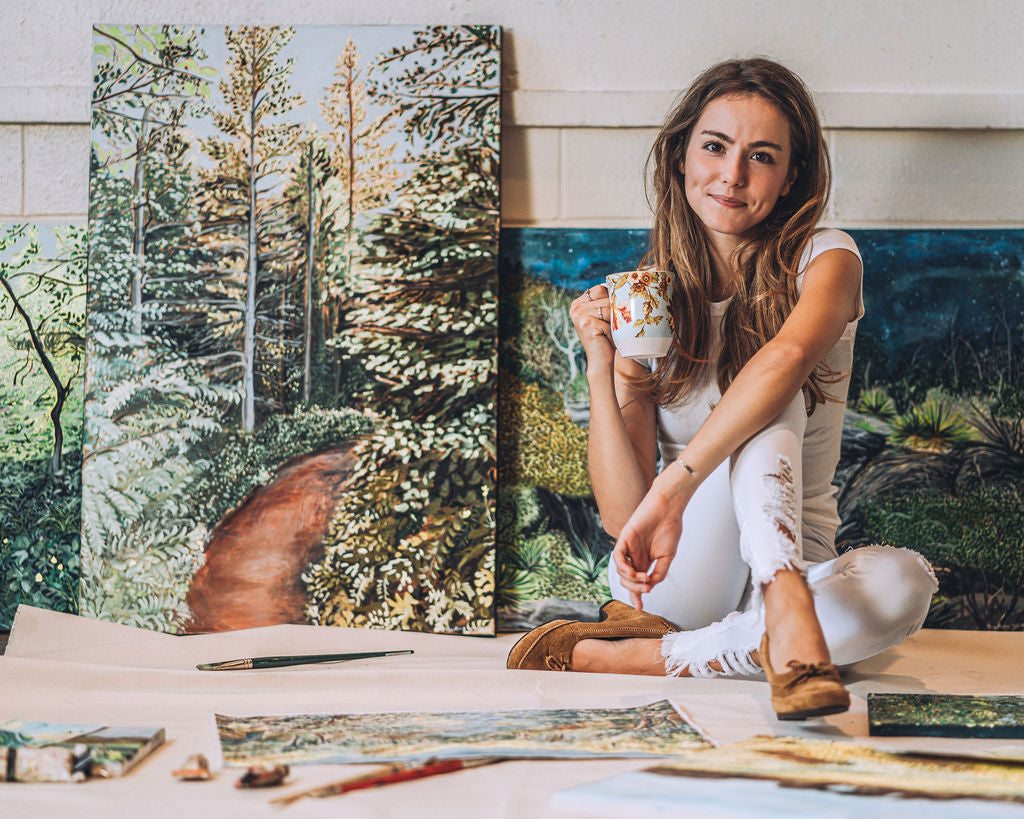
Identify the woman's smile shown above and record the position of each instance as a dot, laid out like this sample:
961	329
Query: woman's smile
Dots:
728	201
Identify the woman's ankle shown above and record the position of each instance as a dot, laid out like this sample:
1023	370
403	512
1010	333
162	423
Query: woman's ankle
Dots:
787	597
794	631
639	655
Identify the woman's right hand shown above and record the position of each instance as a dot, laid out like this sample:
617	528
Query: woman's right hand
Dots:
648	542
591	316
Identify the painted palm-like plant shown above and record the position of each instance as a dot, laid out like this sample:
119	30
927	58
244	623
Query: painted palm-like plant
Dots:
931	427
877	403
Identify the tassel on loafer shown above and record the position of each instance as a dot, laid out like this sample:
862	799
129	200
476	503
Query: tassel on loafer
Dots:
549	647
806	690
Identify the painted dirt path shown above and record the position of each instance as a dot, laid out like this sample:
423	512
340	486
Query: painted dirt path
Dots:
257	553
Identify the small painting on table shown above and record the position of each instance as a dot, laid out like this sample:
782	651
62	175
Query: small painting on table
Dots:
945	715
849	767
657	729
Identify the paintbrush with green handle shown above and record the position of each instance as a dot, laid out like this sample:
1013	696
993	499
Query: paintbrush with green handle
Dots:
298	659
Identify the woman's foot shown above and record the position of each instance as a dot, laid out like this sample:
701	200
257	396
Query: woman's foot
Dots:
552	646
804	690
804	682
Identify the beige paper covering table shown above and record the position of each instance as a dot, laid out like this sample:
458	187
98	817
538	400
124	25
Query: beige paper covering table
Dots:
71	669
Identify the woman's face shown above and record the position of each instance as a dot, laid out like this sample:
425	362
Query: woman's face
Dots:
737	165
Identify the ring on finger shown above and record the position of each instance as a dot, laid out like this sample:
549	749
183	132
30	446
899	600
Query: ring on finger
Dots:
589	297
600	314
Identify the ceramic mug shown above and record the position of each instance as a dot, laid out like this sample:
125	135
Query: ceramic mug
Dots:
642	324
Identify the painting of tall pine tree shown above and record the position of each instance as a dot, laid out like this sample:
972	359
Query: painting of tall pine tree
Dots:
291	356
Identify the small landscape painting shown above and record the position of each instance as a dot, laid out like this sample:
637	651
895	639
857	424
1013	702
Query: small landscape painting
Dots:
945	715
657	729
848	767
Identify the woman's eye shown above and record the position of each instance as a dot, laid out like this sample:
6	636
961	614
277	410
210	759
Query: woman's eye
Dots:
761	156
714	147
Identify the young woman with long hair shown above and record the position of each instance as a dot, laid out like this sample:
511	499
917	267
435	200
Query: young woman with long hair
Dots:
728	553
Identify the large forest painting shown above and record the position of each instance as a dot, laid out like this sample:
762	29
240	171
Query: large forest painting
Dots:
291	381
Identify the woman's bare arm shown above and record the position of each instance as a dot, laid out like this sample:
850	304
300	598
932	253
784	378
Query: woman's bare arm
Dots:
622	446
768	382
622	449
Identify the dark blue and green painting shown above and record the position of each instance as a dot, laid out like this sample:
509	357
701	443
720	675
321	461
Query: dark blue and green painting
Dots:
933	446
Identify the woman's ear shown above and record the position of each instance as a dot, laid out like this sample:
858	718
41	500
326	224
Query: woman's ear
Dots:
789	181
682	168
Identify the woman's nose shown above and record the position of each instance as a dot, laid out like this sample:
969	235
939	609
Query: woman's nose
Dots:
733	172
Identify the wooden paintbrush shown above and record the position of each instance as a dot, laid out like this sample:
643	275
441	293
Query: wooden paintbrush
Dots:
387	775
297	659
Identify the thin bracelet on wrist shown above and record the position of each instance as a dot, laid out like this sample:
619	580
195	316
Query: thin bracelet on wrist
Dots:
685	465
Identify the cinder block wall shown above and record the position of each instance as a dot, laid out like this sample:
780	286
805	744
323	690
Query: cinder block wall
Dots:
923	101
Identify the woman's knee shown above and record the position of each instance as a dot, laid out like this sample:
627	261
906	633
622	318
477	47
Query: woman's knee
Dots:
901	583
870	599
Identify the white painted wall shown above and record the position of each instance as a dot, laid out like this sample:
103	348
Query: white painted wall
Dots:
923	99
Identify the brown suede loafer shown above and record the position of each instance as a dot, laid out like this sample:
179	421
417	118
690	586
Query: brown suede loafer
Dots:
806	690
549	647
617	610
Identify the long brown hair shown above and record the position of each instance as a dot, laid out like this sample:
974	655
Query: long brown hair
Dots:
766	289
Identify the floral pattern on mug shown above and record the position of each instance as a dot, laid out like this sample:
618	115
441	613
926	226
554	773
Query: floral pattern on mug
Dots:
624	312
652	286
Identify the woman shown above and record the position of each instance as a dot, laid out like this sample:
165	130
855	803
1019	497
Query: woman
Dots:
733	542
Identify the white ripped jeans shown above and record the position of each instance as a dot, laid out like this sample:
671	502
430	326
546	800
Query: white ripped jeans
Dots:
743	524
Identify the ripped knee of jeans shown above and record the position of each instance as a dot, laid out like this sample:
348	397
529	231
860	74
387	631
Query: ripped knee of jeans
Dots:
781	503
779	546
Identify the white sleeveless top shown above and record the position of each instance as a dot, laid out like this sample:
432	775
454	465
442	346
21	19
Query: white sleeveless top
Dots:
678	424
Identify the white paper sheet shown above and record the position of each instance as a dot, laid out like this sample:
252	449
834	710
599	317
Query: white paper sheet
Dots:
64	668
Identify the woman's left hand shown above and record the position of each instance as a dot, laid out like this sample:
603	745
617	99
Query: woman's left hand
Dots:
648	542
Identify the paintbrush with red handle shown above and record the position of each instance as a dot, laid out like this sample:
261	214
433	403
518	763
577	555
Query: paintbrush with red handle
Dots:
387	776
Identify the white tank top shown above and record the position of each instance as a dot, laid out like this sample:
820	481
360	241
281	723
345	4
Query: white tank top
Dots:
678	424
